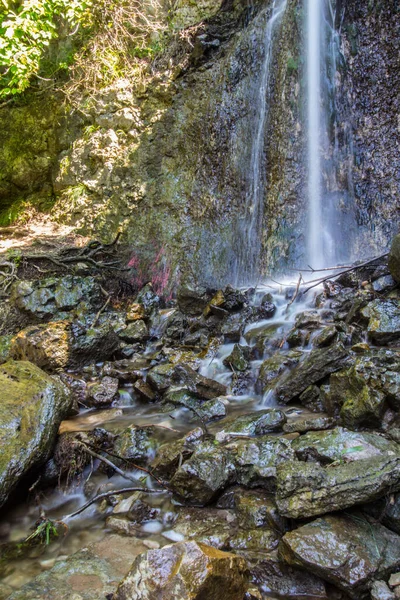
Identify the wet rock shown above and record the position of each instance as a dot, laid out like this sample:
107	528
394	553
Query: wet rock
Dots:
264	335
341	445
256	460
211	526
394	258
32	408
233	327
238	359
170	455
257	508
312	399
312	424
335	488
209	470
160	377
125	370
102	393
319	364
298	338
197	384
135	312
275	366
90	574
192	301
186	569
384	321
58	345
383	285
387	511
176	326
309	319
290	583
136	444
150	301
267	308
347	551
47	297
380	591
327	337
144	391
135	332
252	424
362	392
212	410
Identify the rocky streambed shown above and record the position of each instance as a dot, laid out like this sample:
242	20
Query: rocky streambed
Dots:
261	425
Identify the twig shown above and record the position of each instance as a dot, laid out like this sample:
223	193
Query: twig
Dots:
296	293
107	462
107	495
103	308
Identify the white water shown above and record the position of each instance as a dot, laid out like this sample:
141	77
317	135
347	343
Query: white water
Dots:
315	225
248	263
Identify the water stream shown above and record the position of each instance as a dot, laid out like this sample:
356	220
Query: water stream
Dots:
247	267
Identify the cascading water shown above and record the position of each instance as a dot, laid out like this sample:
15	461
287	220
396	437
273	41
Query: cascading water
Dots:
247	268
328	223
315	235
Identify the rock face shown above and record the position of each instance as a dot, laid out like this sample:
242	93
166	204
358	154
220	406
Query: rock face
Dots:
394	259
185	570
31	410
347	551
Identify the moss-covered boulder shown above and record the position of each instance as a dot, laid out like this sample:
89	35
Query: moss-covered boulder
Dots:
348	551
252	424
47	297
32	407
275	366
384	321
307	490
320	363
185	570
60	344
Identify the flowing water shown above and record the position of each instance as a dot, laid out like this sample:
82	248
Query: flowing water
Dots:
265	338
247	267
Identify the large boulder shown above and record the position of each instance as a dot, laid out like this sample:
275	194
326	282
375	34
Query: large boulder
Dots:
48	297
32	407
362	393
394	258
252	424
59	344
384	321
185	570
307	490
320	363
347	551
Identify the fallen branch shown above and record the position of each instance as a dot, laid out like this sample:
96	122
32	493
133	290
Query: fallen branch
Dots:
107	495
107	462
296	293
317	282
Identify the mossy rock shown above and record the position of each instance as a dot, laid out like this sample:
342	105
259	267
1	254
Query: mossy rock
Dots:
32	408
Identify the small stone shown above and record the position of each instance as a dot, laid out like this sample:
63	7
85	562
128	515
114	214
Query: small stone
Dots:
135	332
394	580
103	393
136	312
380	591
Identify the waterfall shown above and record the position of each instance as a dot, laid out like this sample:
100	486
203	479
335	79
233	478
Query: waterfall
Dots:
315	233
247	267
327	237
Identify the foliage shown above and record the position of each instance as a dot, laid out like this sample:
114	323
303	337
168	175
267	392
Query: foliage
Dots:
25	32
45	530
